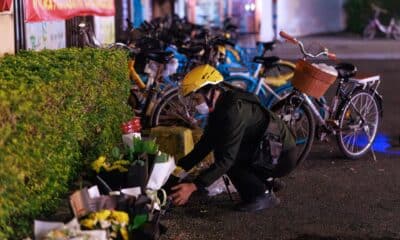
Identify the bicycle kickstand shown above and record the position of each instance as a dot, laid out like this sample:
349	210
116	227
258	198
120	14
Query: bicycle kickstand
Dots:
372	149
227	183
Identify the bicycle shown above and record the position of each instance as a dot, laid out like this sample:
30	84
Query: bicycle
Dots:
392	30
353	115
269	70
174	107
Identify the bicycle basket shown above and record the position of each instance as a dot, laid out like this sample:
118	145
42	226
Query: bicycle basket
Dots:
312	80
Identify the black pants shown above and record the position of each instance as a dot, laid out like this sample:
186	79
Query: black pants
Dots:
250	184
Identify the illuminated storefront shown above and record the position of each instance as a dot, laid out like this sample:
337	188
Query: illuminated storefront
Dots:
245	14
267	17
7	27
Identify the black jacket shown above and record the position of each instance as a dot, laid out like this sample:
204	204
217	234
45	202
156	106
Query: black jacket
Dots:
234	129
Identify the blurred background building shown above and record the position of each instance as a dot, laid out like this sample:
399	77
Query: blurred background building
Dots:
263	18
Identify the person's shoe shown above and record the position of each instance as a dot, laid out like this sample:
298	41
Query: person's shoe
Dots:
267	200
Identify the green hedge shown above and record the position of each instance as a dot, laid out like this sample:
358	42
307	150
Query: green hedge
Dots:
359	12
58	110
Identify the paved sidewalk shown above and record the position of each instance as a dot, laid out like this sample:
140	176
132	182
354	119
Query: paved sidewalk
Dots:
345	46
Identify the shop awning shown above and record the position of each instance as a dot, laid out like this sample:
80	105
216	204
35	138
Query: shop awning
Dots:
5	5
47	10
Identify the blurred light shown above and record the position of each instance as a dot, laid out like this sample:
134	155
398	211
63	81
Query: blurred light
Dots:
247	7
381	144
252	7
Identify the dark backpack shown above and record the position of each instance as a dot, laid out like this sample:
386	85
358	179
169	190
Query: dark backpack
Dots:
276	139
267	154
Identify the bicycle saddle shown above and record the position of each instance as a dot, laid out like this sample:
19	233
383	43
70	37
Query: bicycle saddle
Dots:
268	46
266	61
160	56
346	70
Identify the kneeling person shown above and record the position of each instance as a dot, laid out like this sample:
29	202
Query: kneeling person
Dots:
236	126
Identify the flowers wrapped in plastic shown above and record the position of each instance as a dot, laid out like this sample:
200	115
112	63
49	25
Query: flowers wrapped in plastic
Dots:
115	222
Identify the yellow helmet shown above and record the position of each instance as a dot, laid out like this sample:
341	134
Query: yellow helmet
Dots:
199	77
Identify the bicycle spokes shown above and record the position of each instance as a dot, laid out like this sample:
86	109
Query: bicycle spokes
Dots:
358	124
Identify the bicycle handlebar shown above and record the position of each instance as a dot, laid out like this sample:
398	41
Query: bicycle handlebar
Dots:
378	9
293	40
288	37
331	56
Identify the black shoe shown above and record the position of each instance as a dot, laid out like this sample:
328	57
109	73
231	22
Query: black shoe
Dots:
267	200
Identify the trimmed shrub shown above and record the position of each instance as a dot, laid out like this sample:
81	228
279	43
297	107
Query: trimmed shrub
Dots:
58	111
359	12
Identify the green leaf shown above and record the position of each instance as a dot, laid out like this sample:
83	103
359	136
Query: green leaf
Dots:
115	153
138	221
137	145
150	147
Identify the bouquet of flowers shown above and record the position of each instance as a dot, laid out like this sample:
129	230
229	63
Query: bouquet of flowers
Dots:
115	222
129	167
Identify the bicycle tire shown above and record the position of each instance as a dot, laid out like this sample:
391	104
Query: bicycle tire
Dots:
350	120
369	31
303	143
180	117
396	32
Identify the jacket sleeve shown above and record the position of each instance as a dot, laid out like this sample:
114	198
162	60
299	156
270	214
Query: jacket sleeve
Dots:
229	136
199	152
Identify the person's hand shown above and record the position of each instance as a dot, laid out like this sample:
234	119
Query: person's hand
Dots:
171	182
182	193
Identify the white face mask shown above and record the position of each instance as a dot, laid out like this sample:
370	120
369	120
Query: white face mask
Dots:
202	108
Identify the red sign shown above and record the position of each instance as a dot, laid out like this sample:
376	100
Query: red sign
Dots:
5	5
47	10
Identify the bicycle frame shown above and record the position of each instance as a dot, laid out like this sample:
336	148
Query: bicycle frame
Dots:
385	29
258	86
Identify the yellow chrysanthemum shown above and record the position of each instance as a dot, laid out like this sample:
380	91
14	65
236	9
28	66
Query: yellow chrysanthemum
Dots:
99	163
121	217
89	223
120	168
102	215
122	162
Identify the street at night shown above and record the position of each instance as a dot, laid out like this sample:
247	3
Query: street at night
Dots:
330	197
200	120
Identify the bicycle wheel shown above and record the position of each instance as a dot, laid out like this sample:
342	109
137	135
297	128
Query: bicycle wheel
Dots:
369	31
358	124
175	110
301	122
396	32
